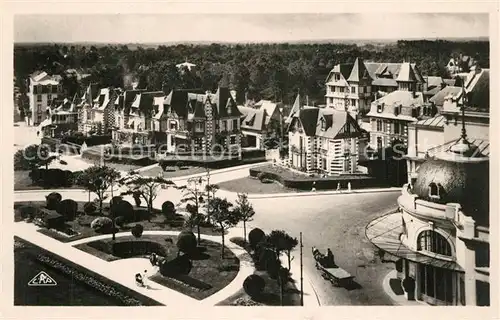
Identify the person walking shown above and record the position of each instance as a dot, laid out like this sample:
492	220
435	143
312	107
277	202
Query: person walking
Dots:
145	279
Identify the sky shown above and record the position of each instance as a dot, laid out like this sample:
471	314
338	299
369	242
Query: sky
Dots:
147	28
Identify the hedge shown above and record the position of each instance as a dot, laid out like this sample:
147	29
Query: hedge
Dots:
53	178
327	183
122	159
97	282
128	249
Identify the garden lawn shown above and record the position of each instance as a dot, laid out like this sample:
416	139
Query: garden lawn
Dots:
22	181
252	185
81	224
172	172
117	166
271	294
69	291
210	272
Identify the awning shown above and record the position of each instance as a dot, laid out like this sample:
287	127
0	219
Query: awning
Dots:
384	233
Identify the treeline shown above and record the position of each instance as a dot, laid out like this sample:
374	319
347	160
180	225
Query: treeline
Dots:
270	71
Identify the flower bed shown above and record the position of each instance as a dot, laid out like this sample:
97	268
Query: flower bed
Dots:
294	180
122	295
209	274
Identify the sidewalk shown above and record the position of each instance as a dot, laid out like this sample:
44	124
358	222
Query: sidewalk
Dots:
320	193
129	267
398	297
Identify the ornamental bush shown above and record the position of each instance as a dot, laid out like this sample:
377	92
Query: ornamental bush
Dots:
254	285
186	242
102	225
114	201
89	208
52	200
168	209
125	210
120	221
255	236
68	208
137	230
179	265
28	212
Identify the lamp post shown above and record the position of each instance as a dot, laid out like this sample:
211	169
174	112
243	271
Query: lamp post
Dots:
281	128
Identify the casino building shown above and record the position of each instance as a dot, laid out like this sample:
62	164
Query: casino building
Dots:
440	233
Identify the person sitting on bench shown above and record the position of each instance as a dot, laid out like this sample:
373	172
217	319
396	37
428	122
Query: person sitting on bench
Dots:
330	258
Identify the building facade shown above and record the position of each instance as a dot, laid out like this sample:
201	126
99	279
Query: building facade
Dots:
203	123
324	140
440	234
259	122
354	86
42	89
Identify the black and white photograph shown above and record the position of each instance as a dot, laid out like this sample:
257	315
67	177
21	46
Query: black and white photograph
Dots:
277	160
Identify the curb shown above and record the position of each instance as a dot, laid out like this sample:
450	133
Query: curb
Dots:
314	193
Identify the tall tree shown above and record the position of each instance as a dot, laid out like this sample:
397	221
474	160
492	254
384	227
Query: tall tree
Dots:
222	217
245	210
98	179
192	196
145	187
33	157
283	242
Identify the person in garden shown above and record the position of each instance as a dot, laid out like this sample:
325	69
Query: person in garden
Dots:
139	280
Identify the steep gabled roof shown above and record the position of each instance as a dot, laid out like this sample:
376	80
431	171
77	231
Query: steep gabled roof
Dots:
308	117
359	71
225	106
406	73
295	110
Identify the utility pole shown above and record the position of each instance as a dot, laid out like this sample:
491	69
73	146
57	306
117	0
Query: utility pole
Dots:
301	278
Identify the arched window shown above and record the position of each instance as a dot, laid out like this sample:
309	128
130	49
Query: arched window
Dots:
434	242
434	190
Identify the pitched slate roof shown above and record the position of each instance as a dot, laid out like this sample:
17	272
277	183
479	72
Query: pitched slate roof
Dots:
436	122
295	110
224	104
406	73
308	117
438	98
359	71
143	102
254	119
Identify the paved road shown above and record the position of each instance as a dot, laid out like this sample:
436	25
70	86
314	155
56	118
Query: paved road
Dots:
335	222
327	221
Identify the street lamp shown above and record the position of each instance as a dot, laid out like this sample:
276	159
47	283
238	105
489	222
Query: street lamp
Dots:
281	127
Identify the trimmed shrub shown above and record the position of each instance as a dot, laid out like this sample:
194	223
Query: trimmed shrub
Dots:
186	242
168	209
137	230
179	265
52	200
89	208
128	249
102	225
68	208
254	285
125	210
255	236
120	221
114	201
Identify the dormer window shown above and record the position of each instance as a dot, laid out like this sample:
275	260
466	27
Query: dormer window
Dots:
397	110
434	190
323	124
